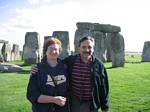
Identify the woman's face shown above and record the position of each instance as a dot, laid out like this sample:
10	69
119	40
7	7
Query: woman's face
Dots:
53	51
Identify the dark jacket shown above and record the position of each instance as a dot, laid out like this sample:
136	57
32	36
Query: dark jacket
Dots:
99	79
42	83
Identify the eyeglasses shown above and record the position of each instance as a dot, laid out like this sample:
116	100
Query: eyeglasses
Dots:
52	48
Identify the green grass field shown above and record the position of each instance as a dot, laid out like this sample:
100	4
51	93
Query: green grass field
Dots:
129	88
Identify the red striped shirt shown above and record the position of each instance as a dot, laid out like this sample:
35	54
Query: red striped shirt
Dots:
81	80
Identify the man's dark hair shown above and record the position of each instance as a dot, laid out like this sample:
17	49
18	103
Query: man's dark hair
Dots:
86	38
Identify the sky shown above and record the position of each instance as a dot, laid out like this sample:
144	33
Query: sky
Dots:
45	16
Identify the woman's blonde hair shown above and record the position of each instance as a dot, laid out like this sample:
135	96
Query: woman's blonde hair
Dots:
51	41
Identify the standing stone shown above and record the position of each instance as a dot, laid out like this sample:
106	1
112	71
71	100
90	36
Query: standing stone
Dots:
99	49
15	53
1	45
63	36
146	52
1	56
108	48
4	55
117	49
46	38
31	48
6	52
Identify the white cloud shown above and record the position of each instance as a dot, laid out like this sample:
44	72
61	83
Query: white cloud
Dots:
33	2
41	2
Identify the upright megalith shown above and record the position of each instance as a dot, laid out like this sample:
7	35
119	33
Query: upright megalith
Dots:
99	48
31	48
108	48
146	52
15	52
63	36
1	56
6	52
2	52
46	38
117	49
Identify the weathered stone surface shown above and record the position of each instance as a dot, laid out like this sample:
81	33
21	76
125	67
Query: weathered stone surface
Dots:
6	52
100	48
146	52
4	41
15	53
63	36
108	48
10	67
84	25
31	48
106	28
46	38
1	56
117	49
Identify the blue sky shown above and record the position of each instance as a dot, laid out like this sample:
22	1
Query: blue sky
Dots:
45	16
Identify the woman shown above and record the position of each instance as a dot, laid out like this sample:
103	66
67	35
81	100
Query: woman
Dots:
47	90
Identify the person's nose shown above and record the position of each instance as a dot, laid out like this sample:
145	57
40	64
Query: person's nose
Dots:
53	51
87	50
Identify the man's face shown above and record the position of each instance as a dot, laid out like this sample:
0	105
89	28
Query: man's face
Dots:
86	48
53	51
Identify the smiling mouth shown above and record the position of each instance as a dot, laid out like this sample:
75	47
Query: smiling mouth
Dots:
87	53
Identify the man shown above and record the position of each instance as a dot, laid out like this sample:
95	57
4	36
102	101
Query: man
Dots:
88	79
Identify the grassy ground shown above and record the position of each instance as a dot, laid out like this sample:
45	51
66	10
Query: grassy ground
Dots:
12	93
129	88
13	90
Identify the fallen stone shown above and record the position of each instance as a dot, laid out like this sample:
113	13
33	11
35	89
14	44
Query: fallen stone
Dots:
10	67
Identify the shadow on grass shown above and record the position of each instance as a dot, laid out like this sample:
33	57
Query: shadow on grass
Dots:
109	67
19	72
134	62
113	67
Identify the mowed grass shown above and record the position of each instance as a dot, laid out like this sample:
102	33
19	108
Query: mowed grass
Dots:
13	91
129	89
